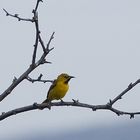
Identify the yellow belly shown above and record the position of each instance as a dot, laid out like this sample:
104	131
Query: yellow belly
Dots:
58	92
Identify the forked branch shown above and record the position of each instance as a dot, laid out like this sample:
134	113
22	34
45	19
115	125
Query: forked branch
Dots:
34	64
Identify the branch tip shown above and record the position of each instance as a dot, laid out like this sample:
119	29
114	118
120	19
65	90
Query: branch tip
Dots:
7	14
50	49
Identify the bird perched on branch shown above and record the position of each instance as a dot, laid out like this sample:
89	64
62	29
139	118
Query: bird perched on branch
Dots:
59	88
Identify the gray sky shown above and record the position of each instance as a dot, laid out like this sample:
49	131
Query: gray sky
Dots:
96	41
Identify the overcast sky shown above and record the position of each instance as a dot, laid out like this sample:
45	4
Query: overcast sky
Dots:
97	41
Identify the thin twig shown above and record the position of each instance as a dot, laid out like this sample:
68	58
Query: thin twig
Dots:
36	38
42	44
17	16
34	65
130	86
37	4
48	50
48	44
38	80
25	74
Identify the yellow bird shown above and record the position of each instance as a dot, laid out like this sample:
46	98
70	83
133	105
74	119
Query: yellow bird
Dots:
59	88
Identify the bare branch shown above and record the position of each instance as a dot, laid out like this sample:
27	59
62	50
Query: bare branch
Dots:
42	58
130	86
75	103
48	44
36	38
42	44
37	4
17	16
34	64
38	79
26	73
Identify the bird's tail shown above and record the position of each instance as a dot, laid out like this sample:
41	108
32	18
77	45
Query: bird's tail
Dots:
46	101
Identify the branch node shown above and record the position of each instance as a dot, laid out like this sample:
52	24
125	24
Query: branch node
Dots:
44	61
109	104
14	112
16	15
32	65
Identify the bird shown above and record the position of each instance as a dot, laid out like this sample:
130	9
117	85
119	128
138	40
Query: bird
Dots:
59	88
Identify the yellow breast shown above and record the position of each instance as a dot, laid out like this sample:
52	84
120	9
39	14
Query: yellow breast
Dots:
59	91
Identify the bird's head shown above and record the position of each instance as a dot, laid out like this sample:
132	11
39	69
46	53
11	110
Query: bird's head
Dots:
65	77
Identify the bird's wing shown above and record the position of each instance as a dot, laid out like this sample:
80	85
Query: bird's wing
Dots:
52	86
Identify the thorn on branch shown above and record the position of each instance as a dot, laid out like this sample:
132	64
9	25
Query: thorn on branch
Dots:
110	101
48	62
35	105
50	49
118	113
94	108
45	61
131	116
75	101
15	79
33	11
109	104
130	86
40	76
2	113
16	15
62	101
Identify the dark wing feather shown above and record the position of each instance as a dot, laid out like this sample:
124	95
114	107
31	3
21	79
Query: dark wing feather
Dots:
51	87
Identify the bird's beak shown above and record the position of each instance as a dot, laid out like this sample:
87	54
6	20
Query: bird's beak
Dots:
71	77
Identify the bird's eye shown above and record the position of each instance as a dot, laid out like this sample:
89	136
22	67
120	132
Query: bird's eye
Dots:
66	76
